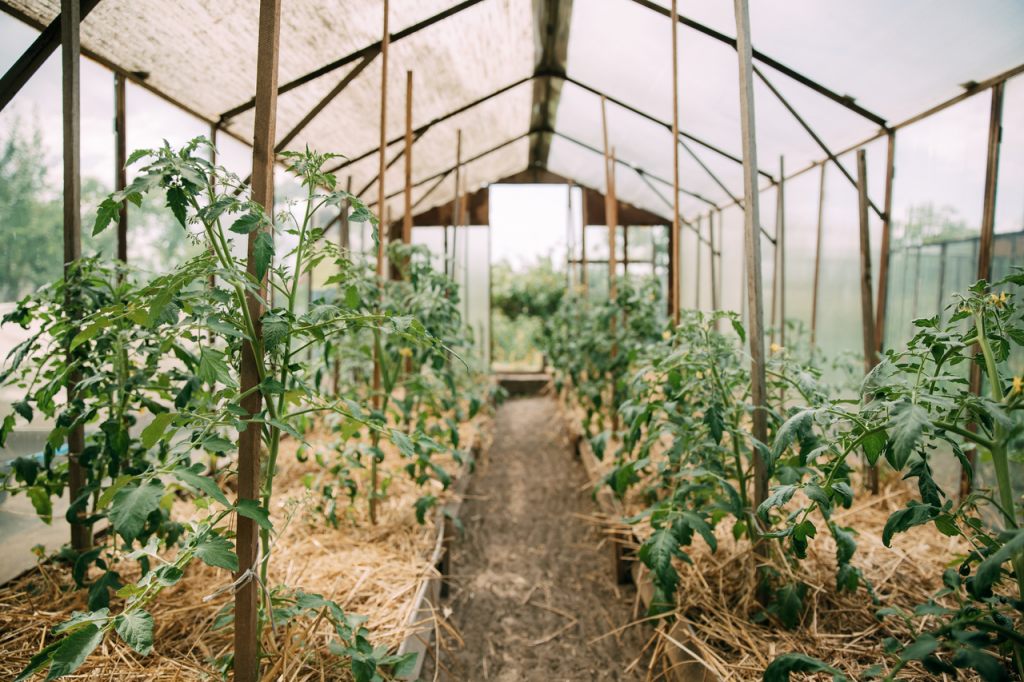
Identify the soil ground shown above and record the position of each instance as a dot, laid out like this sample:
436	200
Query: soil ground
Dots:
532	589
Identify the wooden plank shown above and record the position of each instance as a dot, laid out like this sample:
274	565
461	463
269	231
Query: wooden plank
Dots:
81	533
816	286
866	297
407	218
985	241
674	246
247	631
752	243
120	160
883	257
38	52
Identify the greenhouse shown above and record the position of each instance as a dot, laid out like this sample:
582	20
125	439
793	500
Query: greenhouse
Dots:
511	340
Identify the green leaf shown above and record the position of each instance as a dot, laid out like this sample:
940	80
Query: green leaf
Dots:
136	629
275	330
779	669
252	510
247	223
213	368
155	429
263	254
713	420
789	604
132	505
990	569
790	431
107	212
914	514
908	425
73	650
99	591
779	496
657	553
919	648
200	482
217	551
23	408
40	498
873	444
405	666
422	505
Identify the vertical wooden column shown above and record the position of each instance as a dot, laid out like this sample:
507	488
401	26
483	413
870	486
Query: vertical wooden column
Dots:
714	265
120	159
780	250
344	249
696	269
674	288
610	214
883	256
382	231
81	534
213	160
247	630
583	241
407	218
866	298
455	203
752	244
988	220
815	287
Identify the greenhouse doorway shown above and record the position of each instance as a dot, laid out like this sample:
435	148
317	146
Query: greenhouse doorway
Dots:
531	226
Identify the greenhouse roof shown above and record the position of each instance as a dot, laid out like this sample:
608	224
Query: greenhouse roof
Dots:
523	81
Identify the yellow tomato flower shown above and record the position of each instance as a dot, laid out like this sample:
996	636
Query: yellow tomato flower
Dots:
1018	385
405	352
700	375
667	335
776	348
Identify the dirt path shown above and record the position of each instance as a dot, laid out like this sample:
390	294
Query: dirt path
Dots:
531	588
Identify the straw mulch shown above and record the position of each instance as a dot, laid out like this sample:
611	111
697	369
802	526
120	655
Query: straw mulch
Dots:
373	571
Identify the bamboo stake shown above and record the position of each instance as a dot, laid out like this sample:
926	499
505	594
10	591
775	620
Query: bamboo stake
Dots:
752	241
81	533
675	290
866	298
120	160
381	236
815	287
247	628
344	249
407	221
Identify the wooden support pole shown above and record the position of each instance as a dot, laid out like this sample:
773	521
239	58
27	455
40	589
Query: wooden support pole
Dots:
866	297
613	231
609	198
212	282
674	288
780	249
407	218
457	201
583	242
81	533
247	630
883	256
985	242
696	269
816	286
377	399
120	160
714	256
344	248
752	242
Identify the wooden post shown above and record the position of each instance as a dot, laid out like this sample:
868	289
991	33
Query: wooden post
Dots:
714	266
609	198
583	242
883	256
407	219
866	298
376	400
455	202
815	287
675	290
344	249
780	250
120	159
752	241
247	630
213	161
81	534
625	250
696	269
988	220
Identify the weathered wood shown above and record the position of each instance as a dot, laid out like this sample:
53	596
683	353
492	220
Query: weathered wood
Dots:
866	297
407	218
609	199
696	269
883	256
247	630
674	250
584	217
780	249
81	533
752	243
816	286
120	160
985	241
456	218
715	270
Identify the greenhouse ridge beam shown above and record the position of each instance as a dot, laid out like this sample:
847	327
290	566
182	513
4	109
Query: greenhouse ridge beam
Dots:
843	100
36	54
370	50
552	19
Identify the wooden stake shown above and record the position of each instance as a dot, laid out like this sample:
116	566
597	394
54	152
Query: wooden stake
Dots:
696	269
675	290
120	159
247	630
613	233
752	241
985	241
583	242
81	533
780	250
815	287
714	265
866	297
455	200
407	221
609	181
381	237
883	256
